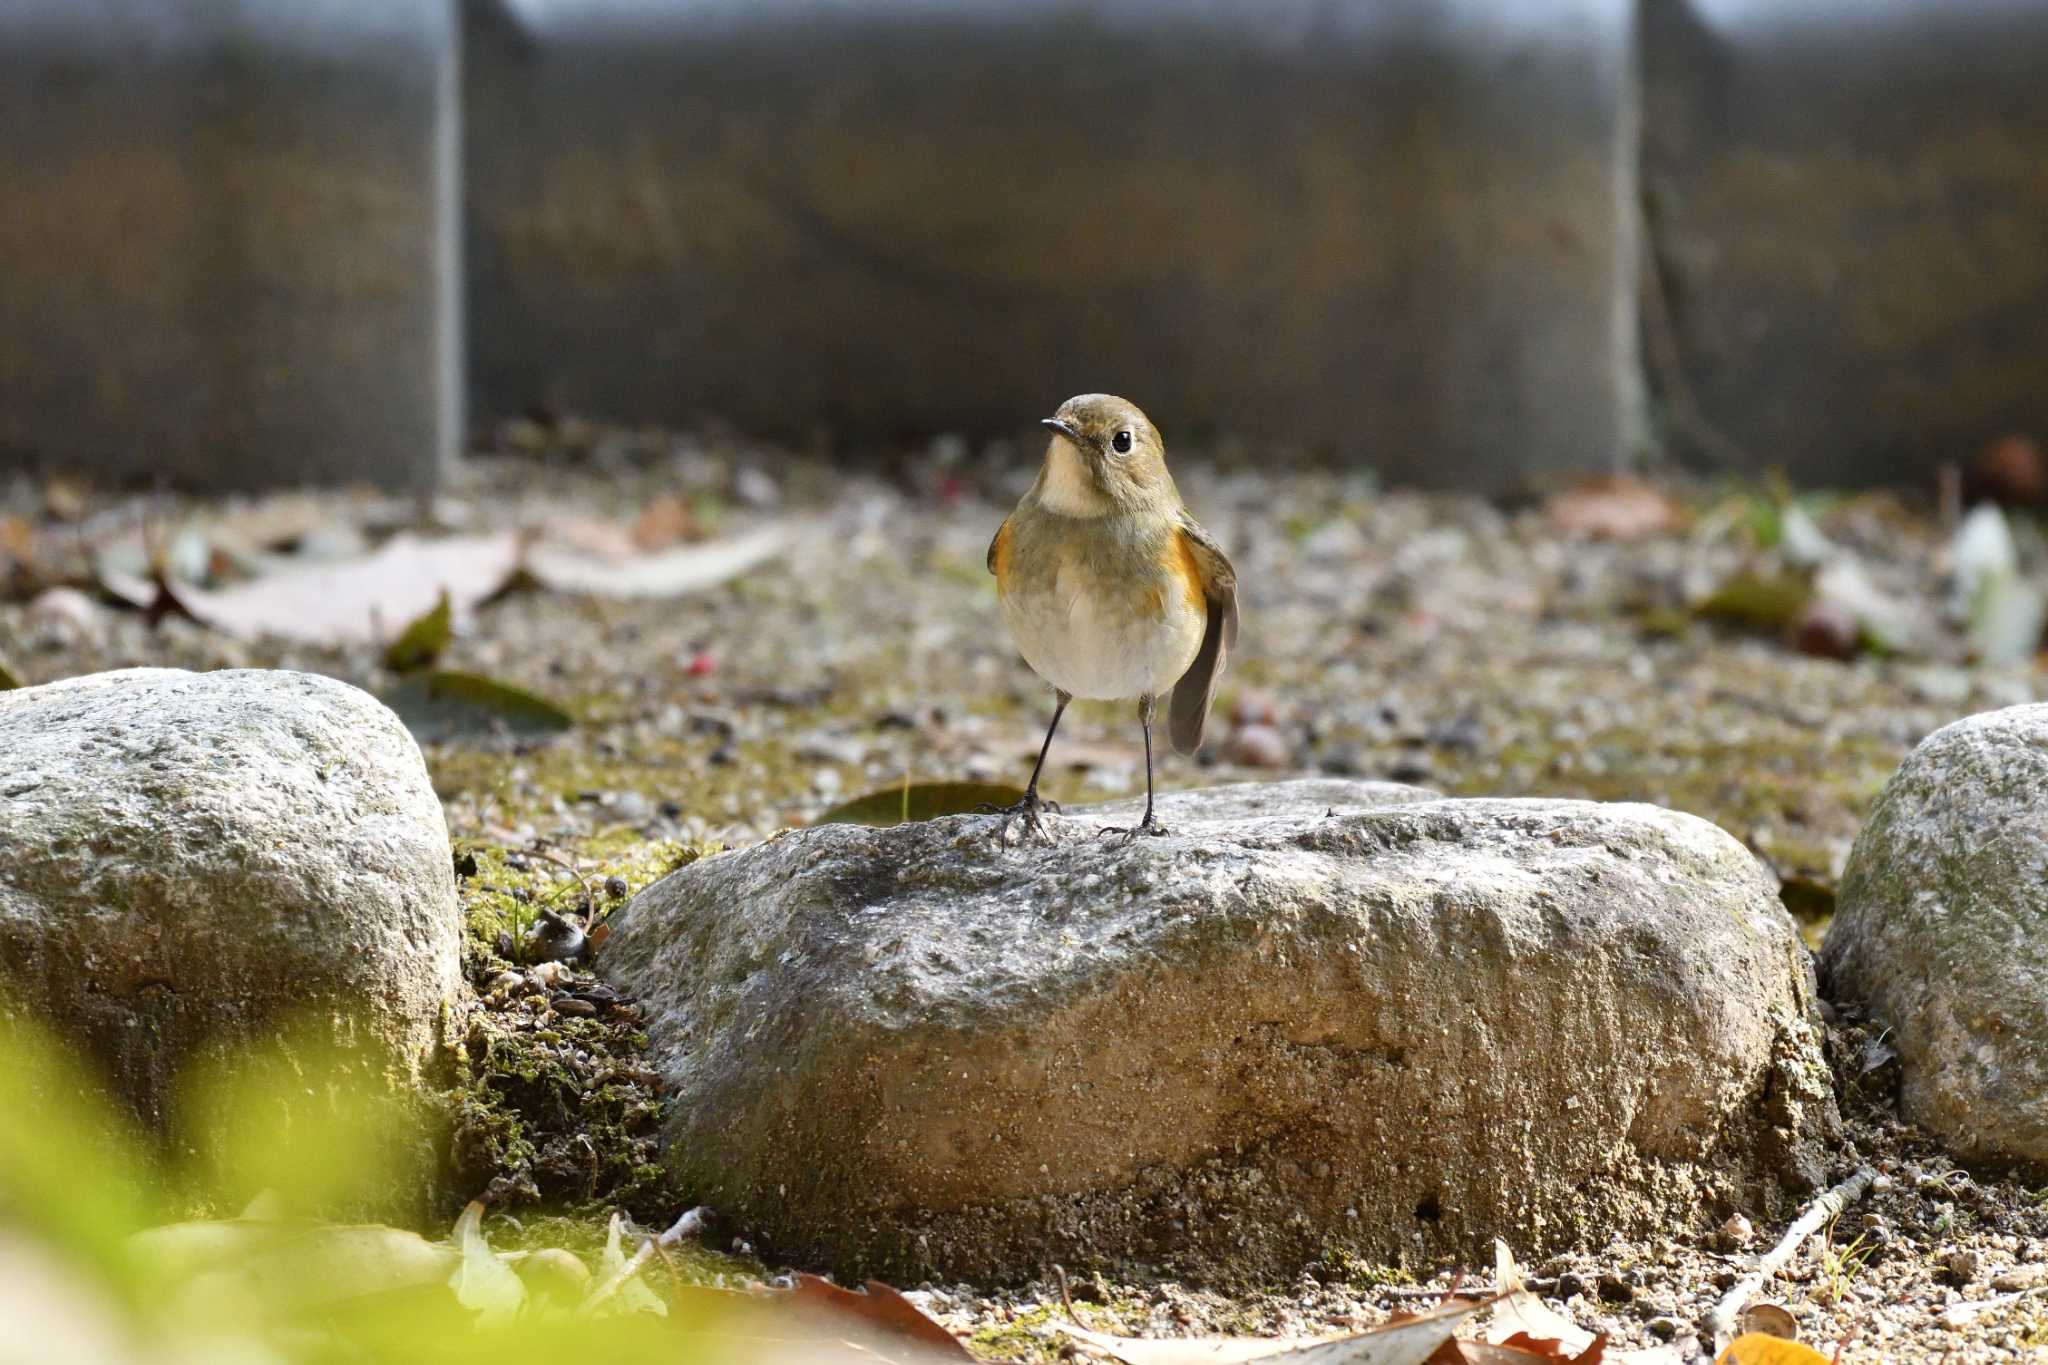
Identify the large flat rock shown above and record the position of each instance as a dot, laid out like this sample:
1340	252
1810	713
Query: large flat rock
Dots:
193	861
1941	932
1321	1017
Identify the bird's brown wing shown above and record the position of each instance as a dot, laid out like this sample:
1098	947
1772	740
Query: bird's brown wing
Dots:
1192	694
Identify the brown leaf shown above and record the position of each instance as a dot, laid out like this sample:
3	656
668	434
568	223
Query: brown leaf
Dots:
1616	507
667	520
881	1309
1406	1341
877	1325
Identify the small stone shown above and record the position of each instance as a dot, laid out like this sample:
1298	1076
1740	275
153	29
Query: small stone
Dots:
615	887
1413	766
1569	1286
1614	1289
63	616
755	488
506	981
1664	1326
1735	1234
548	975
1826	630
2011	470
555	939
571	1005
1258	746
632	807
1254	706
2020	1277
552	1273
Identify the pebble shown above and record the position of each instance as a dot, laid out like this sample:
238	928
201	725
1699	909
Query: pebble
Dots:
1826	630
554	1273
615	887
1614	1289
1735	1234
1413	766
632	806
1255	706
63	616
1664	1326
2019	1278
1963	1264
570	1005
755	487
1258	746
555	939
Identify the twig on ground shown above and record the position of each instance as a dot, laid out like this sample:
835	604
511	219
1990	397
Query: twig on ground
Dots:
1459	1289
1970	1308
1065	1297
582	884
691	1224
1719	1325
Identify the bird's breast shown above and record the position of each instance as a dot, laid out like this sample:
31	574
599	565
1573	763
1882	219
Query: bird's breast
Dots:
1100	612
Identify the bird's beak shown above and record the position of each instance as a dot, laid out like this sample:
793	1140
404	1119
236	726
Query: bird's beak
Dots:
1057	424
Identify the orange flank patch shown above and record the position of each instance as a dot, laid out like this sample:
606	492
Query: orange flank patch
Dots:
1190	571
999	553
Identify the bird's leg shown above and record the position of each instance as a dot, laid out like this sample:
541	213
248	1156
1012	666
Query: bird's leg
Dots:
1029	808
1150	824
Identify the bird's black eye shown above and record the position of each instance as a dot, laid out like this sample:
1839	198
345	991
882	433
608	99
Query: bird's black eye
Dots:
1121	443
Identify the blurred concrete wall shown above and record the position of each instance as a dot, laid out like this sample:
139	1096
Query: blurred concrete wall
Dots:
1404	233
1850	209
1391	231
228	242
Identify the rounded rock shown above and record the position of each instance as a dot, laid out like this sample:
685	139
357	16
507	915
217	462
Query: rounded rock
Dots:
909	1052
189	861
1941	932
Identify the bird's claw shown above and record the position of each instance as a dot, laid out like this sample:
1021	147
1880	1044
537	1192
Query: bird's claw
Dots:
1030	811
1127	833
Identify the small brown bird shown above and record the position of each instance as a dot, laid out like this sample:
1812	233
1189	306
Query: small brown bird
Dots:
1109	587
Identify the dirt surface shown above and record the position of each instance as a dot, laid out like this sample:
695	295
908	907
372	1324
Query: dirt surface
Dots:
1437	640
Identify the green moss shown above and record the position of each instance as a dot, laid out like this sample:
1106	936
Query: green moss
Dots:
1023	1338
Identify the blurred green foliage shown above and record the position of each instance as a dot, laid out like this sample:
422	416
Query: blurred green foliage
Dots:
92	1268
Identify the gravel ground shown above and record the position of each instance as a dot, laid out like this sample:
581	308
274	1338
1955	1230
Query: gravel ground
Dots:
1439	640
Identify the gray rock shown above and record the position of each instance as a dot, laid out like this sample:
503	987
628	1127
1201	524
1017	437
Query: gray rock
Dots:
190	860
914	1052
1941	932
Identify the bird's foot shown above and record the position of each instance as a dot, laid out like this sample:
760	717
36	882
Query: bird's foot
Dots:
1148	826
1029	812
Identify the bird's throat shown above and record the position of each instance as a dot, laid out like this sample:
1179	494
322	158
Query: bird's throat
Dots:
1066	485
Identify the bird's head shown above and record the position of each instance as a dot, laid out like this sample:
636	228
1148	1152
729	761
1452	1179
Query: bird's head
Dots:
1104	455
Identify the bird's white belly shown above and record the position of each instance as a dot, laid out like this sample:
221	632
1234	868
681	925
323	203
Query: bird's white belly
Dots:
1105	645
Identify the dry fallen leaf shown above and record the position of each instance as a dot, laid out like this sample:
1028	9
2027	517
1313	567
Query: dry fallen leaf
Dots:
349	601
1522	1316
825	1323
881	1309
671	573
1758	1348
1615	507
1406	1341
